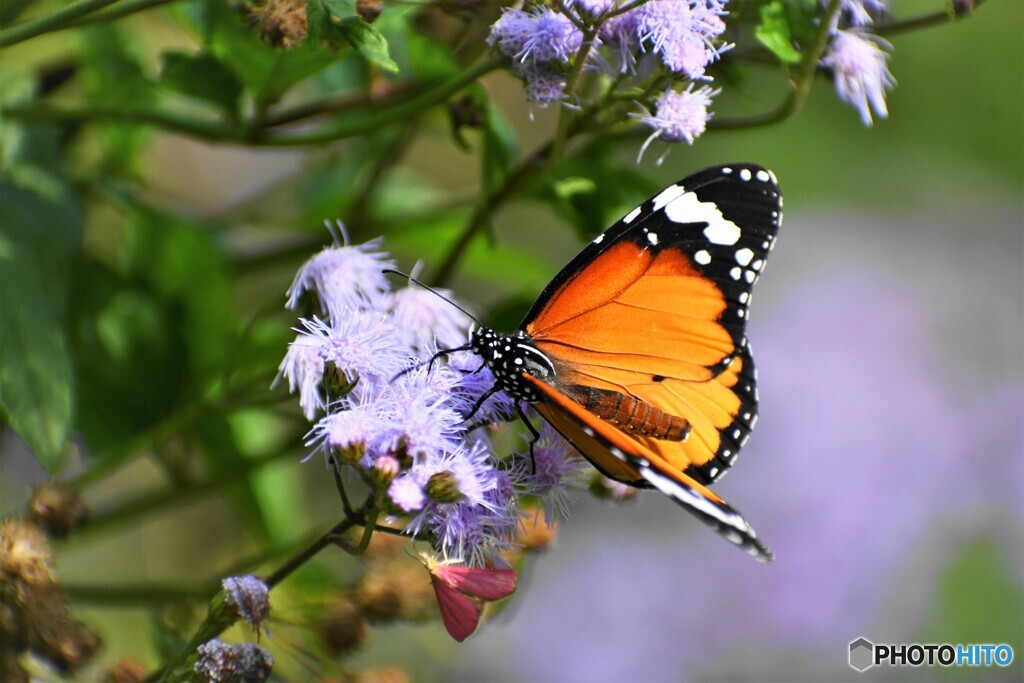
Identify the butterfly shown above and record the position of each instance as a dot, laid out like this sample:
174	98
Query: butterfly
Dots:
462	591
637	353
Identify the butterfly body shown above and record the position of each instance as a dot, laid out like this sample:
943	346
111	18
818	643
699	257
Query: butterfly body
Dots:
636	352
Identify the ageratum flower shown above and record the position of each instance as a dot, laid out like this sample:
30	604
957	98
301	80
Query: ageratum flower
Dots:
541	36
678	116
409	419
861	12
861	70
682	33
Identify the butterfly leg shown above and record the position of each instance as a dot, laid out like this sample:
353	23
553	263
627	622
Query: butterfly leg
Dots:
534	440
486	395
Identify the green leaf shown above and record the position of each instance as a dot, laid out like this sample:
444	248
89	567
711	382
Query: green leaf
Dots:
978	599
202	76
802	16
112	75
774	33
40	236
326	22
267	71
501	147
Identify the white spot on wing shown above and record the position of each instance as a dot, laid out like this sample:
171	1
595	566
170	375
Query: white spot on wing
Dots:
702	257
763	176
684	207
599	239
743	297
631	216
743	256
745	174
735	273
750	275
668	195
652	237
726	170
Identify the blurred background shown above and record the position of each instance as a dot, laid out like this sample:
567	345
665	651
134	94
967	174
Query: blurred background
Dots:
887	470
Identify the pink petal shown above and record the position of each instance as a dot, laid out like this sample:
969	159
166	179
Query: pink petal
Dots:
485	584
460	614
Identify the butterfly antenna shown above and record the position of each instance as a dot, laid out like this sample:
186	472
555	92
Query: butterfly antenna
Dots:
410	278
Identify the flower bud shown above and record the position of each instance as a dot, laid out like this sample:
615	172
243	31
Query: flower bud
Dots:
443	487
249	596
378	598
57	509
369	10
343	628
385	469
217	663
282	22
125	671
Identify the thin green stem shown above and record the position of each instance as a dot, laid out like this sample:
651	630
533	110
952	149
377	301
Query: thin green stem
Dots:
955	12
567	114
370	523
175	122
375	120
118	595
227	133
123	8
50	22
806	72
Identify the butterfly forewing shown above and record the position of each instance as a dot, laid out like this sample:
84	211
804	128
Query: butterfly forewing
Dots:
655	309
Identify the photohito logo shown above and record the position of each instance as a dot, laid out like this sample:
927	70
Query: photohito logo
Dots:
864	654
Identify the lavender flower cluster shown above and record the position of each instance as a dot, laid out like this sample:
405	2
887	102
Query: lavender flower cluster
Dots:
858	58
674	41
682	35
363	372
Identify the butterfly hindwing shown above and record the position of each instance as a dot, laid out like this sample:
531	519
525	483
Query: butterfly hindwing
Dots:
603	444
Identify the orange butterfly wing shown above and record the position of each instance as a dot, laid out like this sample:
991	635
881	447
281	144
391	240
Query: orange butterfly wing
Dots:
646	331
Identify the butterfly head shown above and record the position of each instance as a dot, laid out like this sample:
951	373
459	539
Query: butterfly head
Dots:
508	357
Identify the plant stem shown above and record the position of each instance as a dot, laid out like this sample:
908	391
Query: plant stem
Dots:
50	22
958	11
801	86
121	9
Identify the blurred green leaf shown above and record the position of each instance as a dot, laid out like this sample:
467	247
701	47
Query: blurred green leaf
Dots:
513	268
112	75
267	71
501	148
216	443
11	10
129	356
978	600
326	21
774	33
202	76
592	190
801	17
41	234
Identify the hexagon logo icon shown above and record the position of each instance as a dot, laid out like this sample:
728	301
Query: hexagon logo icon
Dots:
862	654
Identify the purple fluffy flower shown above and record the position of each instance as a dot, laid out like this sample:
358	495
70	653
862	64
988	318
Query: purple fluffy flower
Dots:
862	12
303	367
407	494
559	469
678	116
363	345
861	69
541	36
544	85
469	466
473	533
422	318
354	431
682	32
343	278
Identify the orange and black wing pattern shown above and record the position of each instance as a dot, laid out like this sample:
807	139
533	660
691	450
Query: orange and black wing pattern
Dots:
654	380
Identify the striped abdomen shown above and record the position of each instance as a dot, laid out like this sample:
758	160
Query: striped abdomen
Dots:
632	415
